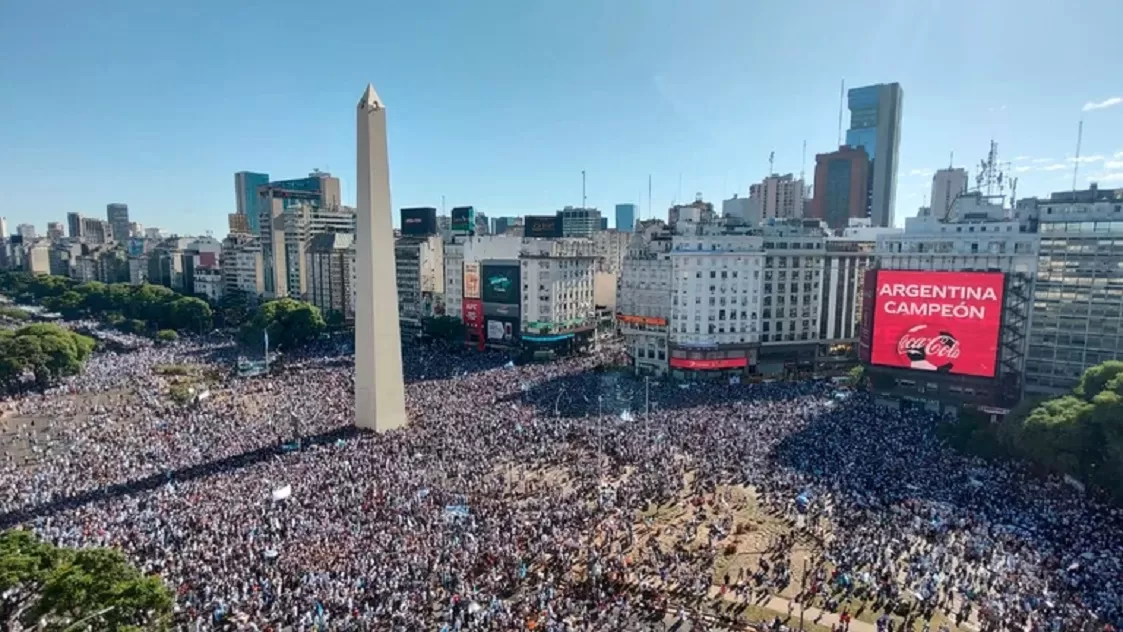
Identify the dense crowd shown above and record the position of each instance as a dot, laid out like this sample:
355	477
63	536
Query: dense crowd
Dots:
511	500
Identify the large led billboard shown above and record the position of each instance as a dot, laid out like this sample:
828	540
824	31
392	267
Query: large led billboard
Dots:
502	330
419	221
946	322
500	283
463	220
542	226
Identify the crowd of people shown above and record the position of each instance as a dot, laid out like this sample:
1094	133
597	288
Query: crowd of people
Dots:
512	499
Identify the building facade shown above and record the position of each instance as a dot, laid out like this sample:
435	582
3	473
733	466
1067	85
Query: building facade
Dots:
841	186
610	246
643	304
875	125
74	225
780	196
419	272
248	203
242	269
329	264
117	215
626	217
579	222
1077	317
947	185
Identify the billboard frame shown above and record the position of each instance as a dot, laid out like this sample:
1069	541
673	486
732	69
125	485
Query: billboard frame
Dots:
995	361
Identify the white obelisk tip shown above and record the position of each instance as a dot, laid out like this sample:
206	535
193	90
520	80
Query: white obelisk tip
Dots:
370	98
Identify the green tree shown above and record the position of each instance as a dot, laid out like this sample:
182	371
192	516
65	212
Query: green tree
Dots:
48	351
290	323
444	328
49	588
191	314
70	304
1097	378
166	335
233	309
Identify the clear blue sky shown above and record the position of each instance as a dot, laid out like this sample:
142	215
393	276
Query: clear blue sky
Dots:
501	103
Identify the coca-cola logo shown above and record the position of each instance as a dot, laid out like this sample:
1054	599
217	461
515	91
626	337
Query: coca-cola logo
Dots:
927	348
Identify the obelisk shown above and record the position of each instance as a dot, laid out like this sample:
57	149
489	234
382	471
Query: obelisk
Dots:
379	391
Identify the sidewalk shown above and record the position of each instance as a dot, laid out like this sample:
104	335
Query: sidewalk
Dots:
779	605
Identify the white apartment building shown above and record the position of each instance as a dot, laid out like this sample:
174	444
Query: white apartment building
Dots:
716	303
242	268
792	295
779	196
558	279
643	302
209	283
947	185
420	272
742	210
610	246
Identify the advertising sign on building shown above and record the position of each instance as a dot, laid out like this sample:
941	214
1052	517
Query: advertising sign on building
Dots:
473	314
463	220
719	363
501	310
542	226
502	330
946	322
501	283
471	280
419	221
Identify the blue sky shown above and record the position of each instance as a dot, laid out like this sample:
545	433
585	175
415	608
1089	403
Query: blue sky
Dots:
501	103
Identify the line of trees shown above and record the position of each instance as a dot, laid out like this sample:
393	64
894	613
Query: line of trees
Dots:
1079	434
140	309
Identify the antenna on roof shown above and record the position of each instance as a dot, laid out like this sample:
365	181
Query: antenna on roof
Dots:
1076	167
841	101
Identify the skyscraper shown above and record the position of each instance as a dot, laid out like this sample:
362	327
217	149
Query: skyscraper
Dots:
841	186
626	217
875	125
379	391
247	201
74	225
118	217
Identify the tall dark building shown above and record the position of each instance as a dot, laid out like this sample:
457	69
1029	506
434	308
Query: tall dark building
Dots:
74	225
875	125
118	216
841	186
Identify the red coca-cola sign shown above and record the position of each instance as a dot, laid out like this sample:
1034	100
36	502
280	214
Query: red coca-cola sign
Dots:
938	321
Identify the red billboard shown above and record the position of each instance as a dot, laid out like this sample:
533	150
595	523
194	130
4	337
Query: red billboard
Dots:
946	322
474	314
720	363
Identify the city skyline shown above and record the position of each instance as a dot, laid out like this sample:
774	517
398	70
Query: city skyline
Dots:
464	128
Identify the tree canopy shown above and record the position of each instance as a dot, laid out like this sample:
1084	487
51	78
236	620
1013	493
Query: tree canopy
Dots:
49	588
47	351
289	322
121	304
1080	434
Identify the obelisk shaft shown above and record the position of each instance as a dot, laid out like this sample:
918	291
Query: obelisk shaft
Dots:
379	391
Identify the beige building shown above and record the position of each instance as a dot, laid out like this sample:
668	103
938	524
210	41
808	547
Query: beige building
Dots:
242	269
778	196
329	261
610	246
